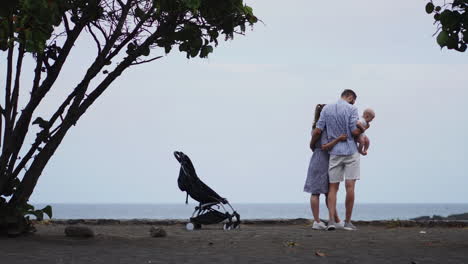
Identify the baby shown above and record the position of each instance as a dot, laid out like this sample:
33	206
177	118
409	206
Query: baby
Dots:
367	117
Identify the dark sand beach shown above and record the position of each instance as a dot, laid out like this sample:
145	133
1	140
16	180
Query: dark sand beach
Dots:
257	242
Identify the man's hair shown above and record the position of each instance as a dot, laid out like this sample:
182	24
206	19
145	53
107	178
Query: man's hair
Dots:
348	92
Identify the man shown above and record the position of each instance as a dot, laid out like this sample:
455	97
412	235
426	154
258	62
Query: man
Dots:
341	118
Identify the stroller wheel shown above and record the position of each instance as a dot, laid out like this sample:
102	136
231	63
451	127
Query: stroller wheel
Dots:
227	226
190	226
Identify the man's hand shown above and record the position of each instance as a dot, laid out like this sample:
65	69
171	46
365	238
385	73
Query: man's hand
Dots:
361	126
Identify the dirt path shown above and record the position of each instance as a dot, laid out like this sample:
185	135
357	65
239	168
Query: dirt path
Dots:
251	244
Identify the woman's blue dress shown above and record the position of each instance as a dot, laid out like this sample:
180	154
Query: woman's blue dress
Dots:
317	175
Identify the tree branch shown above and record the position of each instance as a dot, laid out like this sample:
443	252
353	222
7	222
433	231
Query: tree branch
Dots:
16	88
96	67
30	178
37	72
14	144
146	61
122	66
65	23
129	37
103	32
98	44
7	128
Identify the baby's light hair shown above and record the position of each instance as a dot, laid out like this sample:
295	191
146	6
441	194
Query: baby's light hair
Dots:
369	111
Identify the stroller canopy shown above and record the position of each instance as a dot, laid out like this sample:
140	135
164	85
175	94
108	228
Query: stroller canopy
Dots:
189	182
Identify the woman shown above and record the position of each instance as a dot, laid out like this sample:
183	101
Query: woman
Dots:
317	175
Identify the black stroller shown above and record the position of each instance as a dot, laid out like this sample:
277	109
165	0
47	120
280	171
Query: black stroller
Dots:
204	213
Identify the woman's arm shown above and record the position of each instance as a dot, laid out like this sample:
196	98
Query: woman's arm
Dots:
315	137
331	144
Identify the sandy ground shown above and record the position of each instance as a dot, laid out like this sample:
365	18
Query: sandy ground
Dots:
258	243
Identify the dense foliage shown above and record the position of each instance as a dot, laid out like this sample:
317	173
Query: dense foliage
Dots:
452	24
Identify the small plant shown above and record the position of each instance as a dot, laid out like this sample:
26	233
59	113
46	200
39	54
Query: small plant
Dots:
15	221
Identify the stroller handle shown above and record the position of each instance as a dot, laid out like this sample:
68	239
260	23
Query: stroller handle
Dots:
178	155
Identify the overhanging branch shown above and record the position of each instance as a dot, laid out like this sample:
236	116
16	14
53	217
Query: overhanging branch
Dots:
146	61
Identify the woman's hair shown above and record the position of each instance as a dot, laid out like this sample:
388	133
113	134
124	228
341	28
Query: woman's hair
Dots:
318	110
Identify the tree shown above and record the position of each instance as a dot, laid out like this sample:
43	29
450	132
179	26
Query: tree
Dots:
125	33
452	24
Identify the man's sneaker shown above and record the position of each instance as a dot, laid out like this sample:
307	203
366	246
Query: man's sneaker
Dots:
319	226
339	225
331	226
349	226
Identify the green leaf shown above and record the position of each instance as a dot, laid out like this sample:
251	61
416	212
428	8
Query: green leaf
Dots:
252	19
183	47
452	42
28	207
438	8
248	10
449	18
38	214
3	45
213	34
48	211
146	51
130	48
8	7
462	48
429	8
442	38
197	43
242	27
193	4
194	52
206	50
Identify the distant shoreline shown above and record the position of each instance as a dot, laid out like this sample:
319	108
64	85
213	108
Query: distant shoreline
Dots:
364	212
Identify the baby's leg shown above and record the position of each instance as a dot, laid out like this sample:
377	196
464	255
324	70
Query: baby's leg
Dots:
361	143
366	144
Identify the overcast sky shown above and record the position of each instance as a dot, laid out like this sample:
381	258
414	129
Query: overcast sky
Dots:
244	115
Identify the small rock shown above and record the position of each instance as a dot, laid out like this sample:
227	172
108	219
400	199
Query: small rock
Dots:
79	231
157	232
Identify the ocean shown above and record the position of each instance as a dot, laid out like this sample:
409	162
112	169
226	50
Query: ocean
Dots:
250	211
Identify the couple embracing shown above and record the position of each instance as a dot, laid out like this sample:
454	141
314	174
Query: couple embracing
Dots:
338	140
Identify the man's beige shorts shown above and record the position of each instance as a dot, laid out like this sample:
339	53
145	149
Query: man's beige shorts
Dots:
344	167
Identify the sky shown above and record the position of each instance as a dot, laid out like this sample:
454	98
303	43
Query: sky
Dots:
244	115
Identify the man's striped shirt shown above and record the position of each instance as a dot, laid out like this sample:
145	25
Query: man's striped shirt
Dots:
337	119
